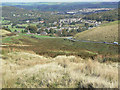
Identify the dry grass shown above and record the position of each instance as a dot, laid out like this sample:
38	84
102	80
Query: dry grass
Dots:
28	70
107	33
4	32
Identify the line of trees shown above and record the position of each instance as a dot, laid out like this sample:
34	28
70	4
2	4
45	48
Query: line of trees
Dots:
103	16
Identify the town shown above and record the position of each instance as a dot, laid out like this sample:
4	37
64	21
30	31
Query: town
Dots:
85	11
58	28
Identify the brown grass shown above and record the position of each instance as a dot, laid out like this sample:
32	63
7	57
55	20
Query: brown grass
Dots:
107	33
4	32
28	70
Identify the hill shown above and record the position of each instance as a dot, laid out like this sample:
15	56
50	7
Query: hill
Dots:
111	15
19	15
62	6
105	33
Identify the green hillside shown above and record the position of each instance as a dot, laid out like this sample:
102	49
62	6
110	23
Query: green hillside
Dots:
105	33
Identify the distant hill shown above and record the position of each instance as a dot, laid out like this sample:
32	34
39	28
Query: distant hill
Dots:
111	15
62	6
105	33
15	14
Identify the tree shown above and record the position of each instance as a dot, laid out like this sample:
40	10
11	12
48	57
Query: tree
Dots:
39	31
46	30
51	31
73	23
91	25
14	24
22	31
38	26
32	29
86	24
15	31
64	32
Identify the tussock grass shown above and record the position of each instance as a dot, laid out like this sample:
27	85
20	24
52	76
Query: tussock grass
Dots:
28	70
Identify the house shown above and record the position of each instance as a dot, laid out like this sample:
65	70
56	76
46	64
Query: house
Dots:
41	21
43	33
27	21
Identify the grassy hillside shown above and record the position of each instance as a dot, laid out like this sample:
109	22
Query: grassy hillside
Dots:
28	70
105	33
45	62
52	47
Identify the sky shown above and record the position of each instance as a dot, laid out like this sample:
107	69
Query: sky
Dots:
59	0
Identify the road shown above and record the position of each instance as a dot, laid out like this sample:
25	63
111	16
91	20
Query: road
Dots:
72	39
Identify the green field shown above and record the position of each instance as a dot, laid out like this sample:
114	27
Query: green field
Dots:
18	29
14	28
4	21
37	36
26	24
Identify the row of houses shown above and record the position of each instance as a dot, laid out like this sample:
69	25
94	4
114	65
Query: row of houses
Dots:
69	20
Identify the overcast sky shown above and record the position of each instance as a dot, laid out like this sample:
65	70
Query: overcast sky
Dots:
59	0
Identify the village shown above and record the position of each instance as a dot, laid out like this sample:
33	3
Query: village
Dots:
68	24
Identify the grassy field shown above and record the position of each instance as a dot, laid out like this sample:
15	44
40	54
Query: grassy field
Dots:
14	28
4	21
26	24
10	39
36	36
3	33
105	33
18	29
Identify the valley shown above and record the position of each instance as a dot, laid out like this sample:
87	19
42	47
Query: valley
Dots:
48	48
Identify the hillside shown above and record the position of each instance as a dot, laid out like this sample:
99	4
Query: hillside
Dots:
45	62
62	6
28	70
18	15
103	16
105	33
4	32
